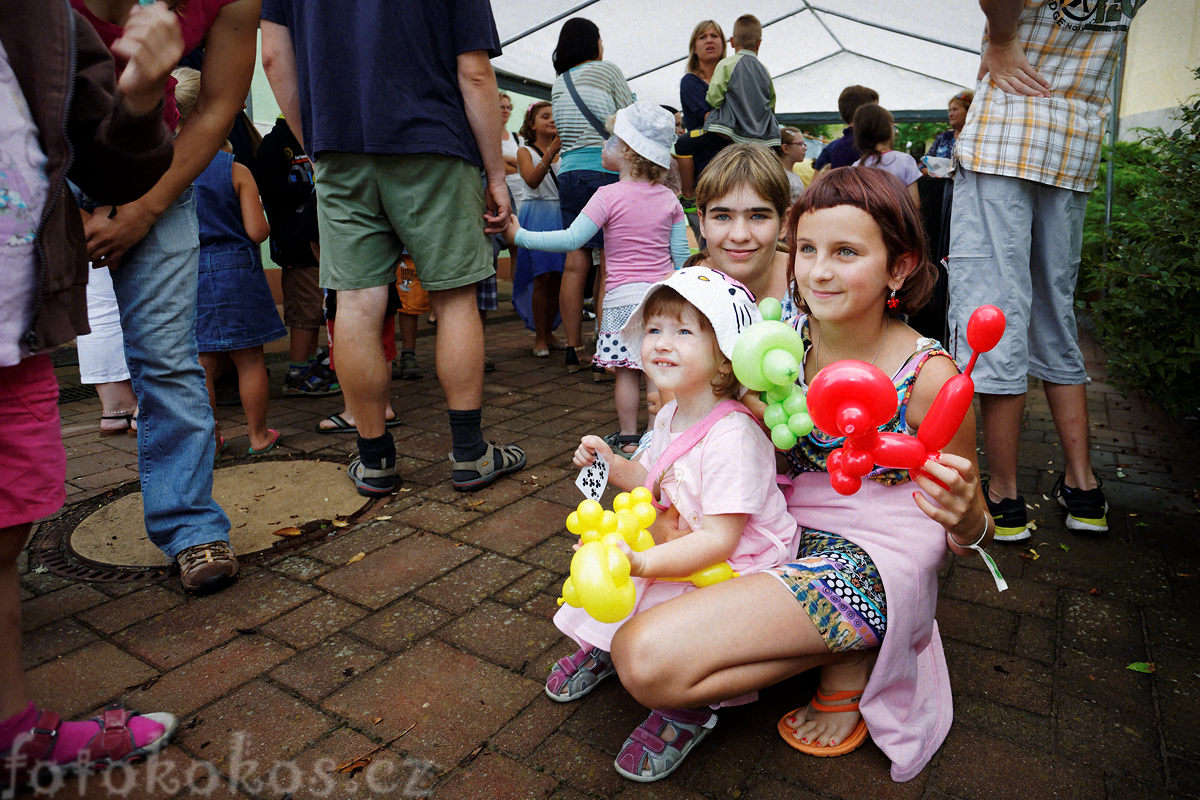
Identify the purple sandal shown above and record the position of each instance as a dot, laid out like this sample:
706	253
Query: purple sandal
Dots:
647	757
578	674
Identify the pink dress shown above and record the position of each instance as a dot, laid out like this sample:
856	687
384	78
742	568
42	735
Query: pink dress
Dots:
730	471
907	704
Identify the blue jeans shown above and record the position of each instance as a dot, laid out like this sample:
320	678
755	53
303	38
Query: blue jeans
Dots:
156	292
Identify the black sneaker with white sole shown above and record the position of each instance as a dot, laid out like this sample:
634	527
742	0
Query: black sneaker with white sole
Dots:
1086	509
1012	521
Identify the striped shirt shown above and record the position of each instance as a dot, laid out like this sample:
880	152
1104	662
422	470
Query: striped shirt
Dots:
603	90
1052	140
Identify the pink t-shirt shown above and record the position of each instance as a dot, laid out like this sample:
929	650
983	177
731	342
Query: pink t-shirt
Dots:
730	471
636	219
195	18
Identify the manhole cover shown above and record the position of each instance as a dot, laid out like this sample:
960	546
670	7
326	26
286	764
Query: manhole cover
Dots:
105	540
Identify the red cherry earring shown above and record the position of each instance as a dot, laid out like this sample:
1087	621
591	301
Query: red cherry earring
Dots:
893	302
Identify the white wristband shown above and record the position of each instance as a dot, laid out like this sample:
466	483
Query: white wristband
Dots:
1001	584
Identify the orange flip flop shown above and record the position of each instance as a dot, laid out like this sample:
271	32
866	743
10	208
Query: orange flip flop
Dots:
820	703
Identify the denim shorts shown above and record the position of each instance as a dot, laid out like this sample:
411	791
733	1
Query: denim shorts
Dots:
234	306
575	188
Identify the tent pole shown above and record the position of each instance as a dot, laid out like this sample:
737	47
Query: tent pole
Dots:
1113	132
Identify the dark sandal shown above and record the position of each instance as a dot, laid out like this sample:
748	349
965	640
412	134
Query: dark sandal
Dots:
573	674
497	460
340	425
619	441
112	744
647	757
126	417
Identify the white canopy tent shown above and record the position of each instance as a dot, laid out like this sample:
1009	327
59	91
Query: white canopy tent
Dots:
915	53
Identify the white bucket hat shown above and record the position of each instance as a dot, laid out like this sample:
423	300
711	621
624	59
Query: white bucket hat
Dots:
648	129
728	305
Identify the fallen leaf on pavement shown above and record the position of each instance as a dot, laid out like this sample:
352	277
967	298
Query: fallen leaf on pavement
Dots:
383	517
1142	666
290	531
339	523
356	558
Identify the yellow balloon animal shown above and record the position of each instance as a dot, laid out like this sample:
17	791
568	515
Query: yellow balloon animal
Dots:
600	583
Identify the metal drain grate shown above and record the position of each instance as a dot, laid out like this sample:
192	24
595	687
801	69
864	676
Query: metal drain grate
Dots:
69	394
51	545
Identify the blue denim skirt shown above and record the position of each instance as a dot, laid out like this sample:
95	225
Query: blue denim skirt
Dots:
234	307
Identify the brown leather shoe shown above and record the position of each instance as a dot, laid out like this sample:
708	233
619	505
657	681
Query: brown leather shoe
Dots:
205	568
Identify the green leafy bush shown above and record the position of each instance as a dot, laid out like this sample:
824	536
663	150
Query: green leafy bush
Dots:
1147	312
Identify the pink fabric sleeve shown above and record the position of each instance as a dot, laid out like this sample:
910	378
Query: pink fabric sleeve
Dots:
738	467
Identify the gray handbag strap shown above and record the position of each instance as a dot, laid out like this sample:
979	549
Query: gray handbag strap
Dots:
587	112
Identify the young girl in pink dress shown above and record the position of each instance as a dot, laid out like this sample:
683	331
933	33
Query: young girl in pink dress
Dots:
645	236
859	600
713	468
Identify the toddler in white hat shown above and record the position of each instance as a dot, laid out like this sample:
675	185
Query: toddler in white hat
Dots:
645	237
710	468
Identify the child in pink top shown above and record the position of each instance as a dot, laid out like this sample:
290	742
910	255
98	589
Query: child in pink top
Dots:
645	234
713	469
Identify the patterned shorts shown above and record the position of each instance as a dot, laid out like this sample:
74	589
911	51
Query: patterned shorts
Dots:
839	587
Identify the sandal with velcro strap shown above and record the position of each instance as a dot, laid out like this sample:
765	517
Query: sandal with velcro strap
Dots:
497	460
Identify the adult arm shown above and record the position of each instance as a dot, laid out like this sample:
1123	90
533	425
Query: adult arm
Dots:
279	64
253	218
692	90
121	146
622	95
957	503
477	83
1003	57
224	83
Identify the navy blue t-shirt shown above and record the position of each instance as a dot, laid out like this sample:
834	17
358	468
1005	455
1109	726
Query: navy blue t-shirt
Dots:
381	76
840	152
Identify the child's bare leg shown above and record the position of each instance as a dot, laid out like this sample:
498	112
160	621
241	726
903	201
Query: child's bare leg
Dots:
652	411
687	176
13	698
832	727
628	396
255	390
407	323
545	307
211	362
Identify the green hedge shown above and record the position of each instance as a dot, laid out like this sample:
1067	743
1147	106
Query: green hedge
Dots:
1144	299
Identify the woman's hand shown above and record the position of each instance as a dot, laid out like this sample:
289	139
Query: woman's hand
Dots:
591	447
954	498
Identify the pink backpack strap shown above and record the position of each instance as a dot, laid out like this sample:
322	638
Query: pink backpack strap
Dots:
686	441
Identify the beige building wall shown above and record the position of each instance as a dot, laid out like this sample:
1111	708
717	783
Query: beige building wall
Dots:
1163	49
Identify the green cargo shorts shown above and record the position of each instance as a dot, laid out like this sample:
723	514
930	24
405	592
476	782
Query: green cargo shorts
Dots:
371	206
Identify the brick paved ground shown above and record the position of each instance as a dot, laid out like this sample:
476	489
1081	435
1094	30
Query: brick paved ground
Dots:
427	655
